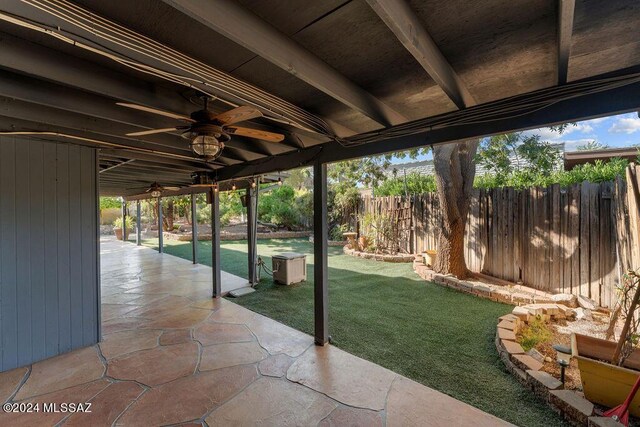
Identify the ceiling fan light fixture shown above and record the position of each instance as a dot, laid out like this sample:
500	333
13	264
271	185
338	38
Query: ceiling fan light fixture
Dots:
156	193
206	145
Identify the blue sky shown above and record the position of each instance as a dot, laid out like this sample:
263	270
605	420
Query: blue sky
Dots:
622	130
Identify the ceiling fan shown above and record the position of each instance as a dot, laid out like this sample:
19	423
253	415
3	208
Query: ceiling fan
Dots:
206	131
155	189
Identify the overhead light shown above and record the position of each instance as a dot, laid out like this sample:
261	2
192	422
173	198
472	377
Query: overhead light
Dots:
253	184
206	146
156	193
279	180
233	187
215	186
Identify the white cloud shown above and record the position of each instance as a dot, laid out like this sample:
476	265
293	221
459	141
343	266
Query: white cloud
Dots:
626	125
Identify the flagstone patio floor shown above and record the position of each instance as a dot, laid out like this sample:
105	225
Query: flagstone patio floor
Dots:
172	355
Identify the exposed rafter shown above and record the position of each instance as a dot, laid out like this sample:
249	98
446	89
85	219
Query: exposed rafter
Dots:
236	23
404	23
117	165
617	100
52	65
566	9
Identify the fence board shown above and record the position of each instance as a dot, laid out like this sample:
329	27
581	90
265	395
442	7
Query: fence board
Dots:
555	239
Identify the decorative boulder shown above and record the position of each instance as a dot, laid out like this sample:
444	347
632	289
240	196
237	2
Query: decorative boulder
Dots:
583	313
569	300
587	303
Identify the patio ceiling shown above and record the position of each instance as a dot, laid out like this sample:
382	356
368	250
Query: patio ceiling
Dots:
339	78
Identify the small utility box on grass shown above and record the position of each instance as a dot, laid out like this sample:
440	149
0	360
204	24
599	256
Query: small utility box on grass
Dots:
289	268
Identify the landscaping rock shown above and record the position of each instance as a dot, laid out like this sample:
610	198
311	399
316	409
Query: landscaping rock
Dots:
509	318
543	379
536	355
571	405
505	324
521	313
604	422
587	303
582	313
526	362
512	347
505	334
569	300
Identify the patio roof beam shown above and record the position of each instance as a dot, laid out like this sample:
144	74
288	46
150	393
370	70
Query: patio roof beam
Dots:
115	166
35	91
410	31
617	100
566	9
53	65
195	165
78	122
238	24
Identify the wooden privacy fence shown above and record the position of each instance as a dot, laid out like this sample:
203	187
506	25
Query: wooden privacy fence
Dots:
560	240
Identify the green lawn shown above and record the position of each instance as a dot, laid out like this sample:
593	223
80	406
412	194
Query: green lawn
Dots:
384	313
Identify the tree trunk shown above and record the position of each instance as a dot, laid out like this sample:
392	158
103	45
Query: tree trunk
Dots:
168	216
455	171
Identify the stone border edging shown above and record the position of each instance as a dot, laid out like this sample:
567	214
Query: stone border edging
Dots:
399	258
496	293
571	405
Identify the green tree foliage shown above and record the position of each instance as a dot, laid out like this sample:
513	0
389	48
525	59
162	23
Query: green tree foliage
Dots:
413	183
110	202
592	145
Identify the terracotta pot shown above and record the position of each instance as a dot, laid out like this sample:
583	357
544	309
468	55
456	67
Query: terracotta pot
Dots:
118	232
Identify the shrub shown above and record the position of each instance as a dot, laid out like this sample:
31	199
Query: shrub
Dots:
415	184
337	232
110	202
118	222
536	332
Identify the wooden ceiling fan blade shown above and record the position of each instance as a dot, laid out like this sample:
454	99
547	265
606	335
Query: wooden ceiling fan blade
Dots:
156	111
151	131
171	188
255	133
238	114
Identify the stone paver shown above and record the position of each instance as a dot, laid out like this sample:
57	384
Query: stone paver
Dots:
67	370
342	376
175	336
347	416
173	355
107	405
232	313
217	333
156	366
230	354
124	342
278	338
435	408
78	394
273	402
275	366
188	398
9	382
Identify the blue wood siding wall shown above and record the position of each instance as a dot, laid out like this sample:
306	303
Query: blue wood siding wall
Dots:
49	275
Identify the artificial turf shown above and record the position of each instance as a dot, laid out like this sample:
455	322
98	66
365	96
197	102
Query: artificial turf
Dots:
384	313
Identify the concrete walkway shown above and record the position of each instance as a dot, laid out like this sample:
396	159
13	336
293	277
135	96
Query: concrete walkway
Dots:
171	355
